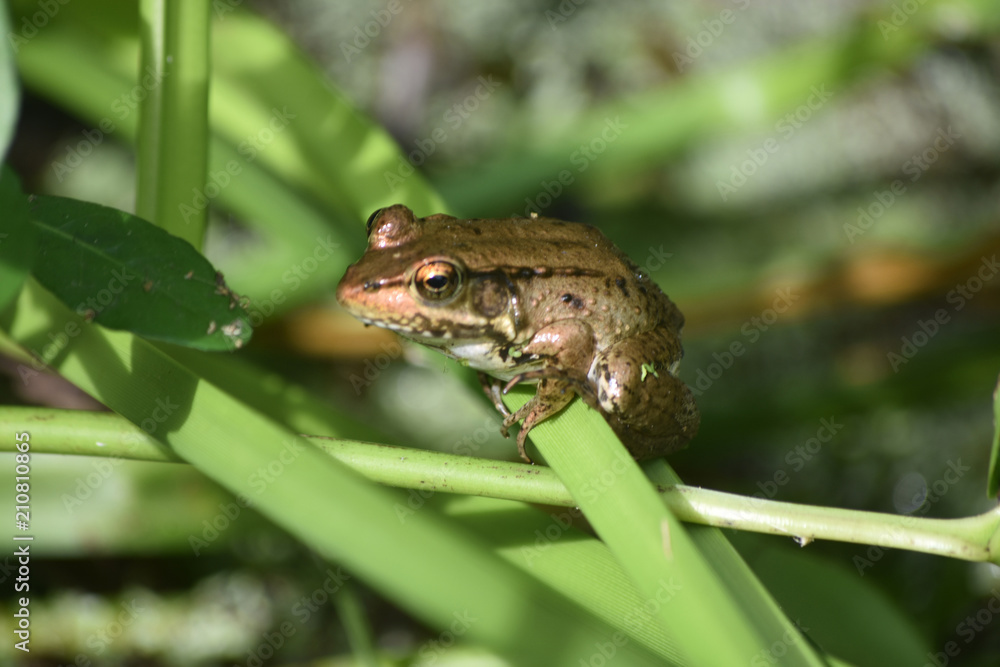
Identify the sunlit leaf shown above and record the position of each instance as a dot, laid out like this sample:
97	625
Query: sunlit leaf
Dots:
125	273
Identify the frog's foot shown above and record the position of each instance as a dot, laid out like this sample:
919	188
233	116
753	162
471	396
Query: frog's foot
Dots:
522	436
552	397
509	421
492	388
513	418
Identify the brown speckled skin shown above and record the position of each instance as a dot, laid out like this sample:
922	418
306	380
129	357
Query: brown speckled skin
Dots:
538	299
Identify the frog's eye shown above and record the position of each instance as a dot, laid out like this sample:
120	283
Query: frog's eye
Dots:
437	280
371	221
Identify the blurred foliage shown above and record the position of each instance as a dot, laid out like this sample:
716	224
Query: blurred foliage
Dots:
815	184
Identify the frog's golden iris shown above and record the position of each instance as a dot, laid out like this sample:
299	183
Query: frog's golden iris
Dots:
437	281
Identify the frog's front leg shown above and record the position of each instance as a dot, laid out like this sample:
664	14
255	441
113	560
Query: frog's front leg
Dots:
547	399
567	347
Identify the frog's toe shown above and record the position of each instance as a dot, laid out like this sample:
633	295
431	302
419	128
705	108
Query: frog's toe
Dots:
522	436
491	387
513	418
523	377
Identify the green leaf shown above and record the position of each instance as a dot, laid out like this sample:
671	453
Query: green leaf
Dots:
652	546
17	238
10	91
993	475
125	273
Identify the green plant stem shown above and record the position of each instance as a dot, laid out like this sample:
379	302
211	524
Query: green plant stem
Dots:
172	160
975	538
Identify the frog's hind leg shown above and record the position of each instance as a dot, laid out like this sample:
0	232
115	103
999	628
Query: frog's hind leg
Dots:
652	411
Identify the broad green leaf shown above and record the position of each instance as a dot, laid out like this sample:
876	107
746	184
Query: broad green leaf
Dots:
125	273
17	237
993	474
10	91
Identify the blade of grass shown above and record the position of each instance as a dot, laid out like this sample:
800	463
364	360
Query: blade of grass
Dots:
651	544
748	593
274	396
856	620
173	126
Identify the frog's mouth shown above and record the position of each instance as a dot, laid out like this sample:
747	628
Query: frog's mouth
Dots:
479	352
425	332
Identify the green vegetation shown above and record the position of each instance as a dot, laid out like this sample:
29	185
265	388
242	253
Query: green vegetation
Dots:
817	195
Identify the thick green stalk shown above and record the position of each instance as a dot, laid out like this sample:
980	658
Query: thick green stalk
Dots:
975	538
172	161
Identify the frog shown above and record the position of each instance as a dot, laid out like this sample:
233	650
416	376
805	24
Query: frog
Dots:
532	300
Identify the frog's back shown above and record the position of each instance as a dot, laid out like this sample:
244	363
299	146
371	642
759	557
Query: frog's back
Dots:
563	270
